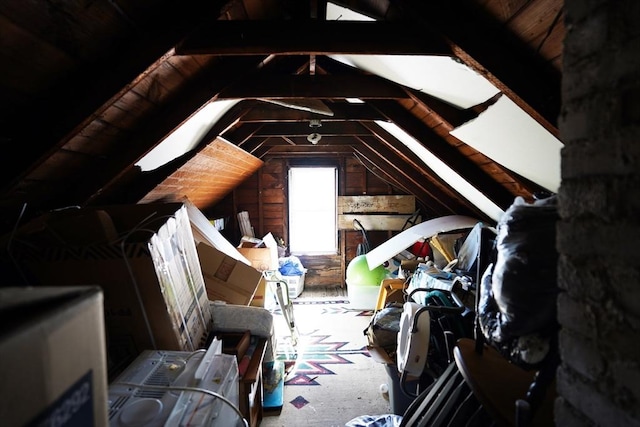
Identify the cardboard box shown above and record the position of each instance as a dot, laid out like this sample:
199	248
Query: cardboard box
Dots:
53	353
154	291
227	279
263	254
262	259
260	297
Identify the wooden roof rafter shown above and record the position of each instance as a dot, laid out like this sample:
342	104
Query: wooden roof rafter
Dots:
332	86
445	152
394	160
315	37
427	208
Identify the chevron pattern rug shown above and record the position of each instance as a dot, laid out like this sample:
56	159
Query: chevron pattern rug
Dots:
330	378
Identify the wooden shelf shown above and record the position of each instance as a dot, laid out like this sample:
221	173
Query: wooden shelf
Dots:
250	380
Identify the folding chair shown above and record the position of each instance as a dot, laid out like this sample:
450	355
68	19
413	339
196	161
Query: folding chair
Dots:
280	290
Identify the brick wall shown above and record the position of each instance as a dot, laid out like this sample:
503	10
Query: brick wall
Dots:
599	231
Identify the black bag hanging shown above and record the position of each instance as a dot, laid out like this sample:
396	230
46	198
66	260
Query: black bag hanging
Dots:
518	291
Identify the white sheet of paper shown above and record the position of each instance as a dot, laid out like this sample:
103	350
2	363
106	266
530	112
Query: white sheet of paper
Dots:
205	232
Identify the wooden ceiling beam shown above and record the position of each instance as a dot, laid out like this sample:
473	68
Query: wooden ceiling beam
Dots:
392	148
241	133
398	148
342	111
302	140
253	144
260	146
303	129
240	109
318	86
311	37
451	116
309	150
507	62
328	140
373	162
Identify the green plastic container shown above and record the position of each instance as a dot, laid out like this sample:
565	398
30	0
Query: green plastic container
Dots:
363	285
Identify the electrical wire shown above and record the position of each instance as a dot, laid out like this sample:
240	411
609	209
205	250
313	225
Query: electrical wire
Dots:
194	389
141	227
134	281
195	353
9	243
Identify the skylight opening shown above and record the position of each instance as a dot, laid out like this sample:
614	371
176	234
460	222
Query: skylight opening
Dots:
338	13
186	137
442	77
504	132
509	136
452	178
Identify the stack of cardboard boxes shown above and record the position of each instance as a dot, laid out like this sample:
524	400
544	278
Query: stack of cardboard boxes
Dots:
144	259
150	272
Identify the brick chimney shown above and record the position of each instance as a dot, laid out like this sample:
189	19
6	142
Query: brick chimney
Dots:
599	232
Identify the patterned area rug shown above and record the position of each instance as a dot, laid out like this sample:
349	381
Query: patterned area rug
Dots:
330	378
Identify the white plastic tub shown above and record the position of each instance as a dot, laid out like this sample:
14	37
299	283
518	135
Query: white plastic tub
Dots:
363	297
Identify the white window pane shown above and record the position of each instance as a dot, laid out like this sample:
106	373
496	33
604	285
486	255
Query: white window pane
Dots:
312	210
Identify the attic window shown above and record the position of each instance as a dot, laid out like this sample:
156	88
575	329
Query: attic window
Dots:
312	210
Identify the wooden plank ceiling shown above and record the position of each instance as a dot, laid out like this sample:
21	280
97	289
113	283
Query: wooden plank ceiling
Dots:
88	88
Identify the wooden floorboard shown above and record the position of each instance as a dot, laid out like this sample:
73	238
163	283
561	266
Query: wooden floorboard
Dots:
318	292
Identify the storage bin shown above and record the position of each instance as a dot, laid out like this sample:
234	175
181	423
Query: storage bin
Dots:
295	284
398	398
363	297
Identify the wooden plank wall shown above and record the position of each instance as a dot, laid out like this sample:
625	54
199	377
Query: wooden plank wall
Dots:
272	200
206	179
264	197
375	212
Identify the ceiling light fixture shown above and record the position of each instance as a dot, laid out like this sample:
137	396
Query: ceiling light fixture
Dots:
314	137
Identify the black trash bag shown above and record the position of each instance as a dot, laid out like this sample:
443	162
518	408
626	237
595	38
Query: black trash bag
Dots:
384	327
476	247
518	291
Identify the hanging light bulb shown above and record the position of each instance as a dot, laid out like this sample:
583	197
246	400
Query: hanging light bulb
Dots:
314	138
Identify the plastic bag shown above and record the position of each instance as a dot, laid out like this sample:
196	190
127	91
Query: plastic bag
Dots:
518	291
386	420
290	266
383	328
